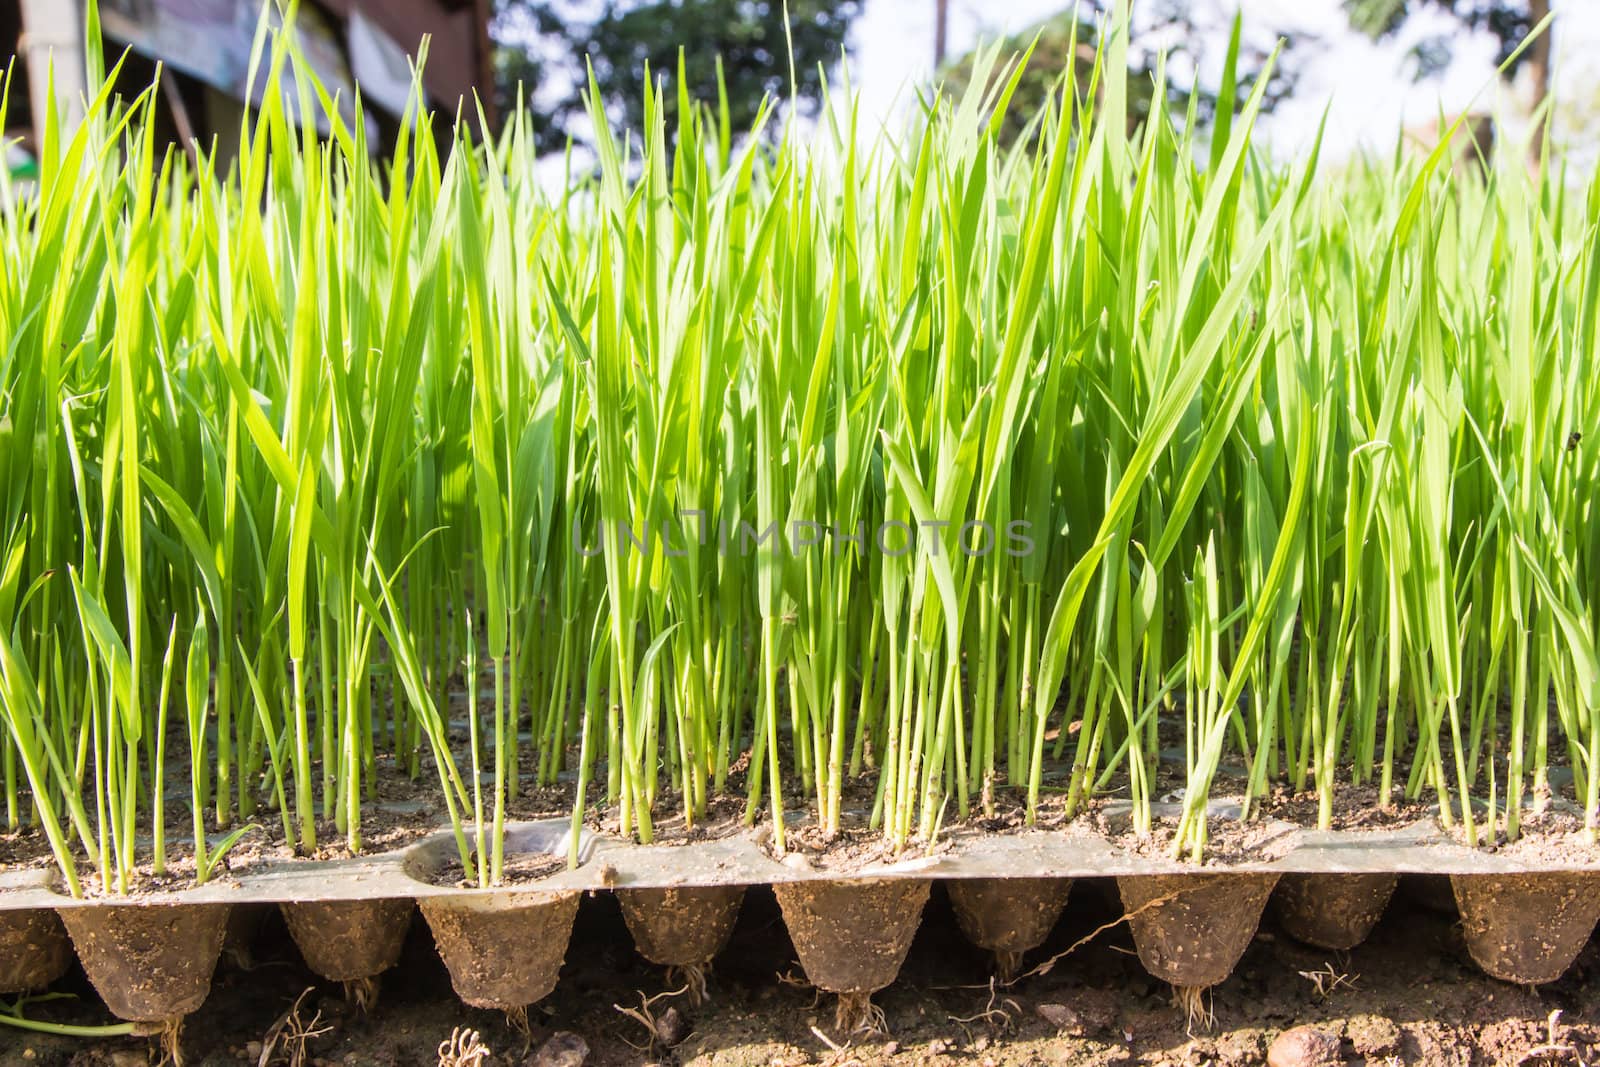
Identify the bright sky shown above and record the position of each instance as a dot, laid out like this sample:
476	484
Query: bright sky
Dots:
1371	90
1366	87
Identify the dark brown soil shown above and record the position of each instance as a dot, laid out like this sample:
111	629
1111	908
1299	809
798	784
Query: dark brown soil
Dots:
1355	807
151	964
1191	929
1228	840
1408	995
503	951
34	950
400	810
678	927
397	811
724	817
517	868
851	849
1554	836
1008	916
1334	911
348	940
1530	927
852	936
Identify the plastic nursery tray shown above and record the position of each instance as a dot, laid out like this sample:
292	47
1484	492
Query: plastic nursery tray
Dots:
607	863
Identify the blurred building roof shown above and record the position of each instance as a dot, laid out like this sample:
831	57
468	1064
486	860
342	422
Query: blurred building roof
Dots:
206	45
458	49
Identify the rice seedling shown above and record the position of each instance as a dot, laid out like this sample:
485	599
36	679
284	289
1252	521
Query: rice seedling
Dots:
885	481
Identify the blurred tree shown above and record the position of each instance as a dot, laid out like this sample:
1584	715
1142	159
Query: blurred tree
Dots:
1176	26
1509	21
1055	49
550	40
518	75
1185	28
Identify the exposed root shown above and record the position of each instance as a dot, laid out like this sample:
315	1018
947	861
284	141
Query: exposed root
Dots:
464	1049
833	1046
998	1014
1328	981
796	981
692	976
362	993
660	1033
1554	1050
517	1019
1047	965
1007	964
293	1034
1196	1007
856	1014
168	1038
800	981
1550	1054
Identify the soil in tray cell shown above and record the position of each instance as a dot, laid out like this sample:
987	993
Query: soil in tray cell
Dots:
1409	993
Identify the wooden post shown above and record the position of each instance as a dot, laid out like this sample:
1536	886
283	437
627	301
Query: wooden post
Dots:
52	41
481	12
1539	74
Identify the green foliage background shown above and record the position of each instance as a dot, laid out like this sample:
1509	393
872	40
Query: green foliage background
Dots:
628	37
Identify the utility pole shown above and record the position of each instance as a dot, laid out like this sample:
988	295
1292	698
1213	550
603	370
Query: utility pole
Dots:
941	31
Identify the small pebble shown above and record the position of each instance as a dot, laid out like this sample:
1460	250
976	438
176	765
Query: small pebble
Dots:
672	1028
1063	1018
564	1049
1304	1046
